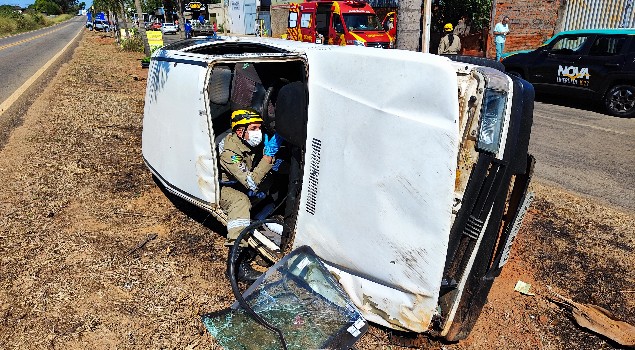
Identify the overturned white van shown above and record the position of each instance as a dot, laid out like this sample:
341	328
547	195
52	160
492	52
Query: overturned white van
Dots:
407	173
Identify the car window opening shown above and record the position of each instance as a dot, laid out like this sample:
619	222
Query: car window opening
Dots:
256	86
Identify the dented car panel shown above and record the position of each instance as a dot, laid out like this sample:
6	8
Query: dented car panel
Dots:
403	190
179	148
380	189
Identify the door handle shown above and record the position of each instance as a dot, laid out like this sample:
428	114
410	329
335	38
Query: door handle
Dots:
612	64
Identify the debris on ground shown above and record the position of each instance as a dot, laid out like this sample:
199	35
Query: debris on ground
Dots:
598	320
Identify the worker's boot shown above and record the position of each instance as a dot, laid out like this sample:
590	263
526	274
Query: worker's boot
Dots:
244	271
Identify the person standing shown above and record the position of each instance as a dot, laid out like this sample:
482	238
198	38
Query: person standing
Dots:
500	36
188	30
450	43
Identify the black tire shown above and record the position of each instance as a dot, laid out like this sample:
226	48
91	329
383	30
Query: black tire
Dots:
479	61
620	101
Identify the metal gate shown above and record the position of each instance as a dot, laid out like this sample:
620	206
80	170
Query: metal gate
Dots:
250	16
595	14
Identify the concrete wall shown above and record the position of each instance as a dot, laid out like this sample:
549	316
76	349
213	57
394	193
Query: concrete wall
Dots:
531	22
279	20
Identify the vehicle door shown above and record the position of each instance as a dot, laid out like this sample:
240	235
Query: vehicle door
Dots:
307	23
378	187
323	20
293	30
177	127
337	35
558	69
605	60
389	25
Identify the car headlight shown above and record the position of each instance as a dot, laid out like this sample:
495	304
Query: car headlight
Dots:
492	117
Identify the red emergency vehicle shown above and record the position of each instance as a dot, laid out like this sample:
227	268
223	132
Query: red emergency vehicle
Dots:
351	22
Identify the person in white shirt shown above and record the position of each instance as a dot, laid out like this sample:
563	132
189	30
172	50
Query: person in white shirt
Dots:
500	35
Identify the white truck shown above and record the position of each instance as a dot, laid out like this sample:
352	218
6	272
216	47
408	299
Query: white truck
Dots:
407	173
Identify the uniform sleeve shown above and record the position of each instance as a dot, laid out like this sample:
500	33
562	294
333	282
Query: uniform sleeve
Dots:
234	164
441	49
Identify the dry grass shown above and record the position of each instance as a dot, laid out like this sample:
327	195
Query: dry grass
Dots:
77	198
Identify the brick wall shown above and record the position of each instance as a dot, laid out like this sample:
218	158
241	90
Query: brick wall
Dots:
531	23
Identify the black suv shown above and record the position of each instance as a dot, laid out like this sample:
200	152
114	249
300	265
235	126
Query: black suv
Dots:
598	64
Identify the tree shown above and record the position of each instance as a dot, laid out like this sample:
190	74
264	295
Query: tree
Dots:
142	28
410	21
48	7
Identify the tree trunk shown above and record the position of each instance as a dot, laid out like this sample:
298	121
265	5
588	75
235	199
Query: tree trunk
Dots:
409	24
124	17
179	13
142	28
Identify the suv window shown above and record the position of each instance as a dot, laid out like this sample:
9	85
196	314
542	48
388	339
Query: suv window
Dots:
607	46
569	45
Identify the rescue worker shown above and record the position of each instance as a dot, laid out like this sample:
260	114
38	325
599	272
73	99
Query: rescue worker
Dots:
450	43
241	178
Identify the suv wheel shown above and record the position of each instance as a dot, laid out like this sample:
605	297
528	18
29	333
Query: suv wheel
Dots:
620	101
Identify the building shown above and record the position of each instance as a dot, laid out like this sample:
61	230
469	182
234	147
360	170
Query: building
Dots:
534	21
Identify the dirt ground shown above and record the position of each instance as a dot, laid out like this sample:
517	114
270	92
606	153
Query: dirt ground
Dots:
77	199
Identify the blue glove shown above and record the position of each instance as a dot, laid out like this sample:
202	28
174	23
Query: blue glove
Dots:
259	195
272	144
276	165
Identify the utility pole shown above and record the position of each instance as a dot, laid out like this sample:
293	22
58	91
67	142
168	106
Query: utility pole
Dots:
426	18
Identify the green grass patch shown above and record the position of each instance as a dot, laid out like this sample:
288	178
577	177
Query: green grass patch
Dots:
13	23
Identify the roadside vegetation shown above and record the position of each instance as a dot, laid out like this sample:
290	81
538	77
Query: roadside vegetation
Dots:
13	22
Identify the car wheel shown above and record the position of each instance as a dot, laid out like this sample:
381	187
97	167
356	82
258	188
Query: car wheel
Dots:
620	101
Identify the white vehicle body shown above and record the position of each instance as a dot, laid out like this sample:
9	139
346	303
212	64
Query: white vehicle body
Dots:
169	28
388	162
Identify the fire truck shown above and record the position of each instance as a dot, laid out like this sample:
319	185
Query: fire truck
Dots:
351	22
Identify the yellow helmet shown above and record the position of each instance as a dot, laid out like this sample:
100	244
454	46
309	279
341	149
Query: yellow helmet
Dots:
244	117
448	27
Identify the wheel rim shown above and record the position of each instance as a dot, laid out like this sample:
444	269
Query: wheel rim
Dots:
622	100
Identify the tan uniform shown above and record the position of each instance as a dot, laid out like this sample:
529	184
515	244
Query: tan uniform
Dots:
238	176
446	49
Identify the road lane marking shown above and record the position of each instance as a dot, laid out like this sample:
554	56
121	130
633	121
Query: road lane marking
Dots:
31	38
16	95
586	125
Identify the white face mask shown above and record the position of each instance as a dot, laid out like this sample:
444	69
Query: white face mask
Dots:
255	138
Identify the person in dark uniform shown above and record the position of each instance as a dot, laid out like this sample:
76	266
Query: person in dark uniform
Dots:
241	178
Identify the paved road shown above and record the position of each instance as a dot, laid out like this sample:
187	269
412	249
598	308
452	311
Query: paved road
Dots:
22	55
584	151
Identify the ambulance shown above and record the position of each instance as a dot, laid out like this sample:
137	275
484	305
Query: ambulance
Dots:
351	22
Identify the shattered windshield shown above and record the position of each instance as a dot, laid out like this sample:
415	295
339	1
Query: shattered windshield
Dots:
301	298
361	21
